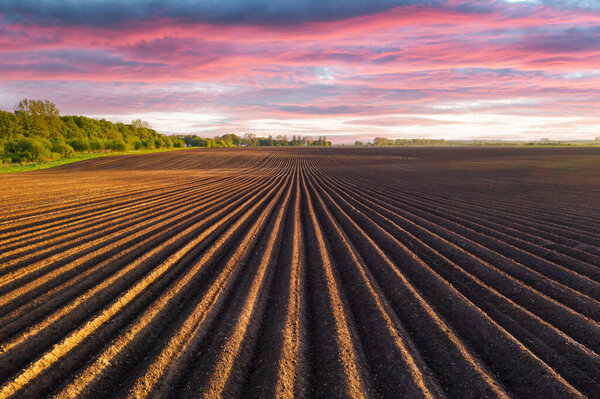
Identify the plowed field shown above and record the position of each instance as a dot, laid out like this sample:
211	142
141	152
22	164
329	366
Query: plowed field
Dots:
462	273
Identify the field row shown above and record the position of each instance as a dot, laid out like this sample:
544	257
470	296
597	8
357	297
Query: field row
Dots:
301	273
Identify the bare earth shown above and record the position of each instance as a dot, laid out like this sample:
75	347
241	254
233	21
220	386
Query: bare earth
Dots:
413	272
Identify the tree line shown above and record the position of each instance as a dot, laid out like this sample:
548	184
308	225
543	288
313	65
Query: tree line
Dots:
251	140
385	142
36	132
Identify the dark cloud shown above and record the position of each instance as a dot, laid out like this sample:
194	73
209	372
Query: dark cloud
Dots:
270	12
71	62
254	12
328	56
568	41
386	59
187	49
81	57
583	4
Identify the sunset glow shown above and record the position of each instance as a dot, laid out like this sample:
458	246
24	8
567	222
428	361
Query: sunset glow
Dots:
403	69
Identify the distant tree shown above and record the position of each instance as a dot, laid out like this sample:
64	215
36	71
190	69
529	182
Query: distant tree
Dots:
250	139
140	124
298	141
230	140
359	144
282	140
382	141
38	108
196	141
41	117
321	141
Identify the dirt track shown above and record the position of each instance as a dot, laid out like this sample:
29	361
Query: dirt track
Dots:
460	272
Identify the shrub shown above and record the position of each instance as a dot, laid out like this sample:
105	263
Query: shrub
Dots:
116	145
64	149
96	145
149	144
79	144
28	149
167	143
196	141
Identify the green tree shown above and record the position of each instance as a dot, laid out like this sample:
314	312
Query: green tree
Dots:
250	140
36	132
282	140
41	116
79	144
140	124
29	149
63	149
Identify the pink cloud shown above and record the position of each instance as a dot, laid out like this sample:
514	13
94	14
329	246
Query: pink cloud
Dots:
411	60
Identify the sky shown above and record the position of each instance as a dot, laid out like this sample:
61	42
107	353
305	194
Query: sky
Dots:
350	70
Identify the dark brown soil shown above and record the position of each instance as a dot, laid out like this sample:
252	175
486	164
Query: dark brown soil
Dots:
373	272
